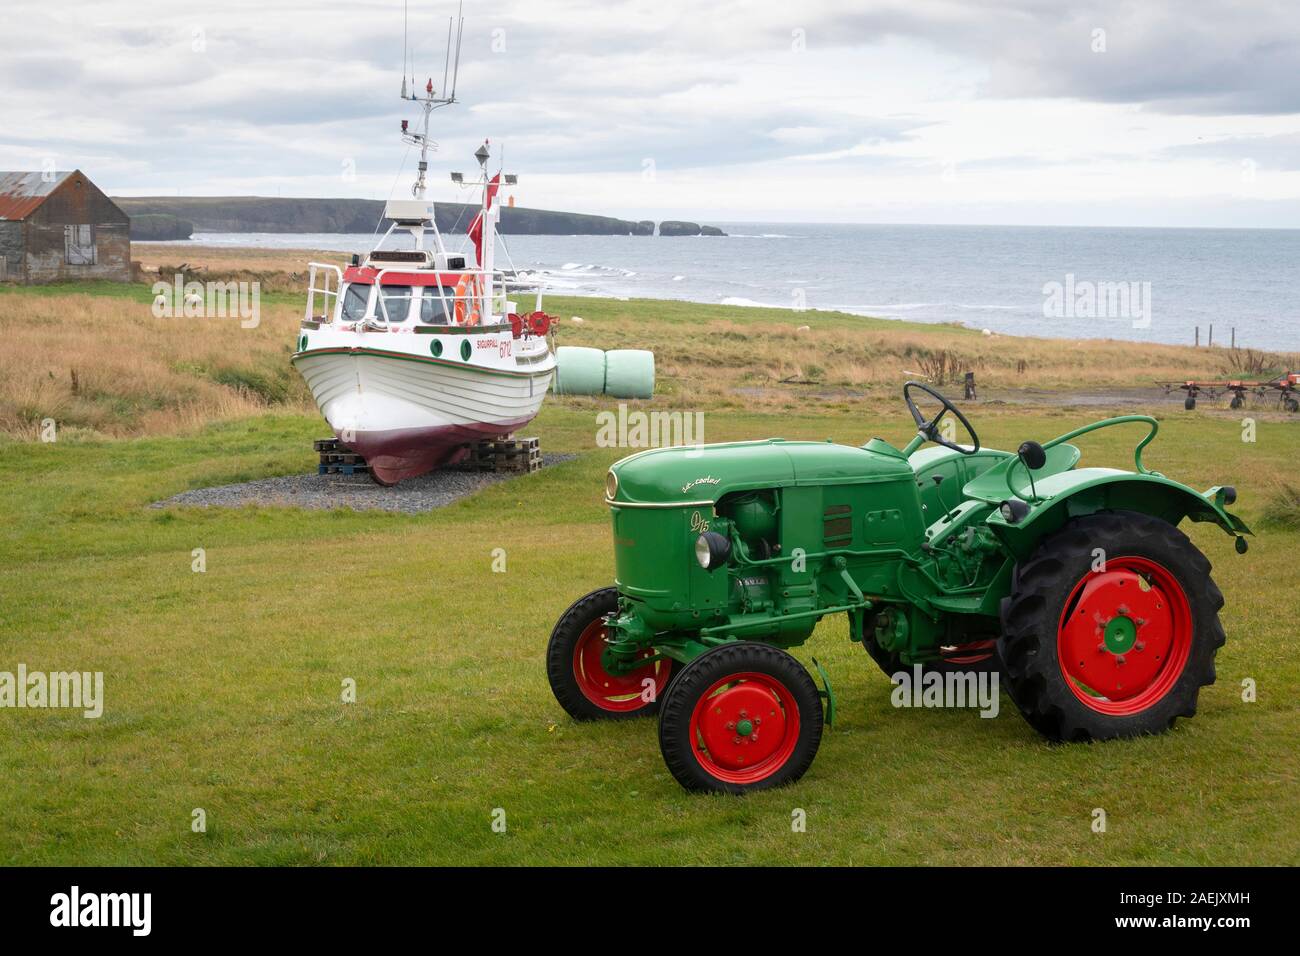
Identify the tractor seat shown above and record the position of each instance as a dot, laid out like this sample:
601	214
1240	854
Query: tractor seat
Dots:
991	487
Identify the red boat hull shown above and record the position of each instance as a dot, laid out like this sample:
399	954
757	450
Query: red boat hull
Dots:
403	453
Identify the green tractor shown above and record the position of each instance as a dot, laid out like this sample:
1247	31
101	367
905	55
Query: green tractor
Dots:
1074	585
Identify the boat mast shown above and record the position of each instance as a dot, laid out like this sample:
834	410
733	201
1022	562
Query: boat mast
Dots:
428	103
488	241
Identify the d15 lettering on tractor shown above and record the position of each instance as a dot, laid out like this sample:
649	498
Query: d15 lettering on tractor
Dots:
1074	583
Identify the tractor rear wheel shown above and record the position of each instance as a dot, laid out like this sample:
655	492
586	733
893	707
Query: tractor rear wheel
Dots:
741	717
1094	651
578	676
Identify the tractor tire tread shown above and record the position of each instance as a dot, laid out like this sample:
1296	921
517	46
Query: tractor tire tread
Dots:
1031	617
559	658
702	673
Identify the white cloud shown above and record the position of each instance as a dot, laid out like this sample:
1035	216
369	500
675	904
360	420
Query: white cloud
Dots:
923	110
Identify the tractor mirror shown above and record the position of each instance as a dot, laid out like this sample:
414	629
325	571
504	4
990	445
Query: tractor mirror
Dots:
1033	455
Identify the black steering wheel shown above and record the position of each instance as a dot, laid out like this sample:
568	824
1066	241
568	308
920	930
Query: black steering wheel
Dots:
929	430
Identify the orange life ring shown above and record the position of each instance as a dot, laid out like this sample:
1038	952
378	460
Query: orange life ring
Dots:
467	300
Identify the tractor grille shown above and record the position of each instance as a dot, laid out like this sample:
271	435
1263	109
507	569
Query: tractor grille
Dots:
837	525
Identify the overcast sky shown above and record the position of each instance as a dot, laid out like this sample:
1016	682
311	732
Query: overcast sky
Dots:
1157	112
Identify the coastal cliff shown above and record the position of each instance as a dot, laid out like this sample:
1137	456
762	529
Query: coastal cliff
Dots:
158	227
159	214
676	227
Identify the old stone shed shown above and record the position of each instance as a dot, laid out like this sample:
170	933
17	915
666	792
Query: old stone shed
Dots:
59	227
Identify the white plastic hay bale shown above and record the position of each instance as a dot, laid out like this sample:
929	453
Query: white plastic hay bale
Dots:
804	328
579	370
577	320
630	373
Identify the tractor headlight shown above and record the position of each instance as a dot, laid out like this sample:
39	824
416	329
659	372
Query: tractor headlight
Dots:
611	484
712	550
1013	510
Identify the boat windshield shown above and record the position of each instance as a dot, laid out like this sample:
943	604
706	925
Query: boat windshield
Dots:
397	302
355	302
435	303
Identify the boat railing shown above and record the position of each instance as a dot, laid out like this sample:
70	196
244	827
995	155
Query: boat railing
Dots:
327	292
507	285
381	318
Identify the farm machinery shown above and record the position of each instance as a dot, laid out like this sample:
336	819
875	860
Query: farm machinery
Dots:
1074	585
1287	386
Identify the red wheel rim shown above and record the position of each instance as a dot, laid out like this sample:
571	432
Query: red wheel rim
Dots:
1125	636
615	692
757	703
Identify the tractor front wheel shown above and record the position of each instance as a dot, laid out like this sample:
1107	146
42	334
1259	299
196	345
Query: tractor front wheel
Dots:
1111	629
577	672
741	717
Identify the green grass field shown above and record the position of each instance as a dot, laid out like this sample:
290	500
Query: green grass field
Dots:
223	688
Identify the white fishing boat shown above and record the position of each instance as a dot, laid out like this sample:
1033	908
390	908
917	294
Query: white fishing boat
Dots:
414	353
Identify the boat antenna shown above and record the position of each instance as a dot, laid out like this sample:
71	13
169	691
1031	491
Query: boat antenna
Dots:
455	69
432	101
447	56
406	48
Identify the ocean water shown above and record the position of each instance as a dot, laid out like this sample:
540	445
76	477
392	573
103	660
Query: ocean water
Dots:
1057	282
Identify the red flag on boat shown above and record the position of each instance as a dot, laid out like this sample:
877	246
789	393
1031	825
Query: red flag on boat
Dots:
476	227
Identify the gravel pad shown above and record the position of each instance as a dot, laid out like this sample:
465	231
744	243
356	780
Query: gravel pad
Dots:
321	492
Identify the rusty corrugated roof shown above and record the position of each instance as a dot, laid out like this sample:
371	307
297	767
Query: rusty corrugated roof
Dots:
22	193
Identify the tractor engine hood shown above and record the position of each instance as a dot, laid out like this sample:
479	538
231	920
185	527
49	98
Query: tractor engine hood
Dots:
698	475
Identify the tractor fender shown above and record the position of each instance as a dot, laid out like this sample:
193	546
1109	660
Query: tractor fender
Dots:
1086	491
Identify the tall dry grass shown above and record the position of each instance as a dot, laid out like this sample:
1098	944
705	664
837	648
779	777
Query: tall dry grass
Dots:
106	365
277	270
233	259
725	348
743	361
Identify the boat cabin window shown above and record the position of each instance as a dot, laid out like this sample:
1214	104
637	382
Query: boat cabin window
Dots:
434	307
355	302
397	303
